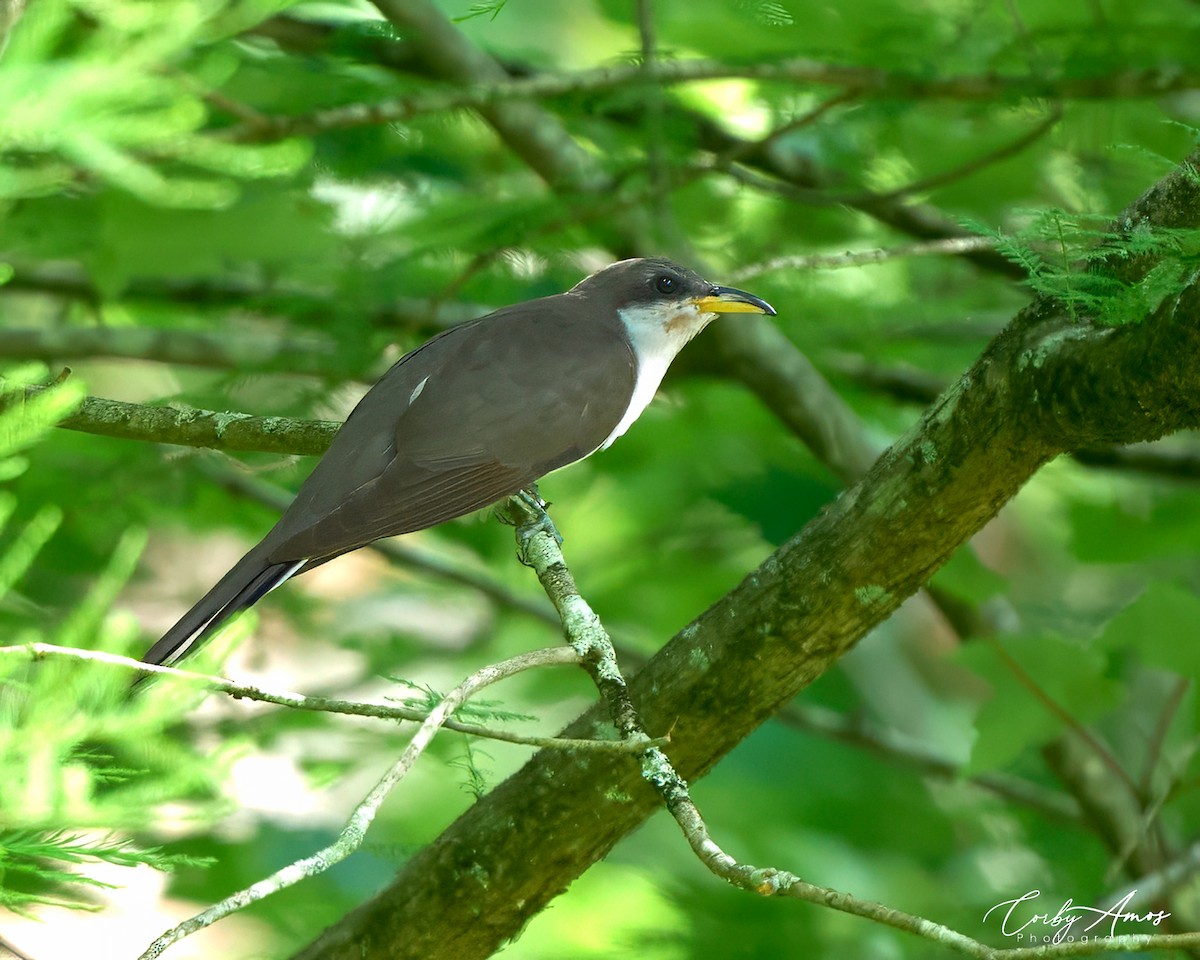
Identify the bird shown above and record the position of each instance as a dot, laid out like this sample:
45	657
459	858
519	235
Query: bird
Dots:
476	414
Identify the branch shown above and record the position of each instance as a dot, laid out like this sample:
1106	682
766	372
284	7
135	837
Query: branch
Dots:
783	626
913	385
918	220
70	280
353	834
189	427
502	91
539	547
884	742
185	347
537	138
753	351
788	382
950	246
299	701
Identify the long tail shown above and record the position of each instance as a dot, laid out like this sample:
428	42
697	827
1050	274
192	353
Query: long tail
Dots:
249	581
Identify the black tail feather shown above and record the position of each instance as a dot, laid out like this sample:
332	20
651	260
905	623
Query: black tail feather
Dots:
249	581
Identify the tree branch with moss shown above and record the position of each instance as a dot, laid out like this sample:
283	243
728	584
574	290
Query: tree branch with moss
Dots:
1046	385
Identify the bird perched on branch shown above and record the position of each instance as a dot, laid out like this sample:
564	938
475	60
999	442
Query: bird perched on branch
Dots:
477	414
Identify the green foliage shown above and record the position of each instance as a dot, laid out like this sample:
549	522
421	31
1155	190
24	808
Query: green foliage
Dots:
144	188
768	12
30	419
102	114
73	749
966	578
1151	627
29	859
477	778
1071	258
1023	712
490	9
480	711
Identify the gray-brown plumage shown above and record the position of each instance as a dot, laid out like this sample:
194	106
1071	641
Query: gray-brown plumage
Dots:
474	415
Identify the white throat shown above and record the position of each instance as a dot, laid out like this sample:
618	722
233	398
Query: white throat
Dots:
657	336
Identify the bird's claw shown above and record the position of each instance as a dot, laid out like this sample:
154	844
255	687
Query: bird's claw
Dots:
536	521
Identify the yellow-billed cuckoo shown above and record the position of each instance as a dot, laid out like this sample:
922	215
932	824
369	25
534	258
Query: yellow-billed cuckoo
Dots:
477	414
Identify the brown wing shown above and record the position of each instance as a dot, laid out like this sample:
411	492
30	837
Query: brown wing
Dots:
469	418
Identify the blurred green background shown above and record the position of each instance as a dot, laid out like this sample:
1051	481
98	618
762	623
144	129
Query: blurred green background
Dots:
164	237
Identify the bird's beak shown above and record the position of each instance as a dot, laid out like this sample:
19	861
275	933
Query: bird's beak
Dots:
729	300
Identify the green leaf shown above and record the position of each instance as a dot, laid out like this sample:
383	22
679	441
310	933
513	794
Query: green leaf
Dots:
1109	533
32	856
1161	626
967	578
21	553
1014	719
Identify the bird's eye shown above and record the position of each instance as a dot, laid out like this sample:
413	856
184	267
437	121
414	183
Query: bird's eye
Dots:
666	284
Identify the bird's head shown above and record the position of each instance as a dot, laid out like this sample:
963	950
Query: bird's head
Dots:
662	304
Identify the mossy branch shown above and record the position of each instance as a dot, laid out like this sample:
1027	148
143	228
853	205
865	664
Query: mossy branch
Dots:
188	426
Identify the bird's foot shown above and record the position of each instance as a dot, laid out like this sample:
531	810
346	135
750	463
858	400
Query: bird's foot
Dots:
536	520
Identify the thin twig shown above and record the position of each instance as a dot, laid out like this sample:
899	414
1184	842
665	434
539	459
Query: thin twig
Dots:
298	701
1158	885
740	149
950	246
866	81
867	199
925	184
1064	716
1162	726
224	350
352	835
652	118
68	279
893	745
540	550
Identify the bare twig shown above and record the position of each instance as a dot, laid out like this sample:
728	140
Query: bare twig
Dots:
299	701
1003	152
951	246
352	835
70	280
186	347
540	549
1064	716
1158	885
865	81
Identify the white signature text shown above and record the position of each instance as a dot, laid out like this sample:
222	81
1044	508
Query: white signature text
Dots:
1063	921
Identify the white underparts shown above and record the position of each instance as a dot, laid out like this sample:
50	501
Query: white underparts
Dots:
657	333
